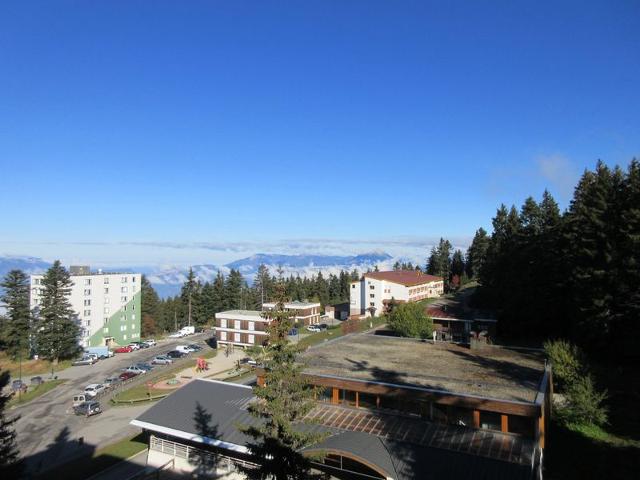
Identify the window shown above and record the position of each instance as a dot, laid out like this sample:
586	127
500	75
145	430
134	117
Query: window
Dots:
105	330
223	335
133	326
133	279
123	299
372	295
124	308
223	323
106	320
236	337
106	290
372	304
106	310
133	316
252	339
372	287
107	300
252	326
87	303
87	281
123	280
353	285
88	323
124	337
105	280
237	325
133	288
490	420
123	290
87	313
87	291
133	307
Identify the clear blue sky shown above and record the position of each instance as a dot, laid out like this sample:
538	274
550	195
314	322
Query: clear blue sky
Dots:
226	121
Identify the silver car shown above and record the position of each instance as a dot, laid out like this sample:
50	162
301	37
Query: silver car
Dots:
162	360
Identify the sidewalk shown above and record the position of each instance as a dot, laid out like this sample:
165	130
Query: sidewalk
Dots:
218	368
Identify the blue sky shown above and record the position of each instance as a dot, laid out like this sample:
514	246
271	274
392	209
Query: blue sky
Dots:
179	124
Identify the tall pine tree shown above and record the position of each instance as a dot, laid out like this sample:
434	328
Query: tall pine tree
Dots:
57	331
16	324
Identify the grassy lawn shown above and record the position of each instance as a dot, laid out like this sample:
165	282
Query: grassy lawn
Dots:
34	392
99	460
336	331
138	392
30	367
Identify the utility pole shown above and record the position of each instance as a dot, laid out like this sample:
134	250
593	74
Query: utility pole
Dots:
189	321
175	319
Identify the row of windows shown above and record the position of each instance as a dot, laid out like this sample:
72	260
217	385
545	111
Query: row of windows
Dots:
236	337
237	324
87	291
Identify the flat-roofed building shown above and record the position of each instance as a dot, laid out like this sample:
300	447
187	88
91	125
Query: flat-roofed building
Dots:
107	305
243	328
373	292
305	313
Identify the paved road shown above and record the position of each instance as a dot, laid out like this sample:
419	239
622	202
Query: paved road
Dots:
48	432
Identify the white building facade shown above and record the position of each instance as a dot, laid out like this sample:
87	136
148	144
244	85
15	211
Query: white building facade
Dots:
242	328
107	306
304	313
373	292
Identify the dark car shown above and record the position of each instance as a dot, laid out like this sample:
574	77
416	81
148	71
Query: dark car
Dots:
195	346
111	382
323	326
87	409
175	354
127	375
18	386
36	381
142	344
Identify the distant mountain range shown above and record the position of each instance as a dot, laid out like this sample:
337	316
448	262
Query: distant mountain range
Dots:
168	281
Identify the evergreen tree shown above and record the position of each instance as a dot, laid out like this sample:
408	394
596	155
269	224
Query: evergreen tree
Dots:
457	263
151	308
283	402
16	325
477	253
218	293
190	295
233	290
10	464
262	286
57	334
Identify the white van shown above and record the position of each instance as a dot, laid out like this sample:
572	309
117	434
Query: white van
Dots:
184	349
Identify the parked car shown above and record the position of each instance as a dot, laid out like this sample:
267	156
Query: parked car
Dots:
83	361
175	354
141	344
126	375
145	366
87	408
323	326
35	381
126	349
111	382
195	347
101	352
136	370
162	360
94	389
184	349
151	342
176	335
293	332
80	398
190	330
134	346
248	361
313	328
92	356
18	385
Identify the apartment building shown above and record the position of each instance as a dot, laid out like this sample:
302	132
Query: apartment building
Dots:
375	290
107	306
305	313
243	328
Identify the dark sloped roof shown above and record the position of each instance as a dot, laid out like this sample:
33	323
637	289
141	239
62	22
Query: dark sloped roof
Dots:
209	412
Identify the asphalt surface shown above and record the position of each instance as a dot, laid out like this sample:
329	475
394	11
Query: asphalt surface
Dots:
48	432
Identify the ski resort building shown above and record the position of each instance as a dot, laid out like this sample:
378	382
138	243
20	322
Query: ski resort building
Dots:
107	306
372	293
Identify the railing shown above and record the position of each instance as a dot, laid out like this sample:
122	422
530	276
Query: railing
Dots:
221	462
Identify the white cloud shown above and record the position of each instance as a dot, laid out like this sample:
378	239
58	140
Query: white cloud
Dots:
559	171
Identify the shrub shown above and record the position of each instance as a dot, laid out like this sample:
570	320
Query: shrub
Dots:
584	404
410	320
567	362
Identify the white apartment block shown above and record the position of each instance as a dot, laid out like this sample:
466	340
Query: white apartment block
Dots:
376	289
305	313
107	306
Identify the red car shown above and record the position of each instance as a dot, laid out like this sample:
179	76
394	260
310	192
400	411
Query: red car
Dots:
127	375
123	350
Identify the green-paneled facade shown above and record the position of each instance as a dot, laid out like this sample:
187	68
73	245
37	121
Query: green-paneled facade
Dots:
123	327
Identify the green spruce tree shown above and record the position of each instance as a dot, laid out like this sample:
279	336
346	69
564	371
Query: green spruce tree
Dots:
10	464
57	331
281	406
17	322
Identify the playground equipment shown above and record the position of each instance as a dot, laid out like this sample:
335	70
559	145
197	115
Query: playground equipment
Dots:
201	365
